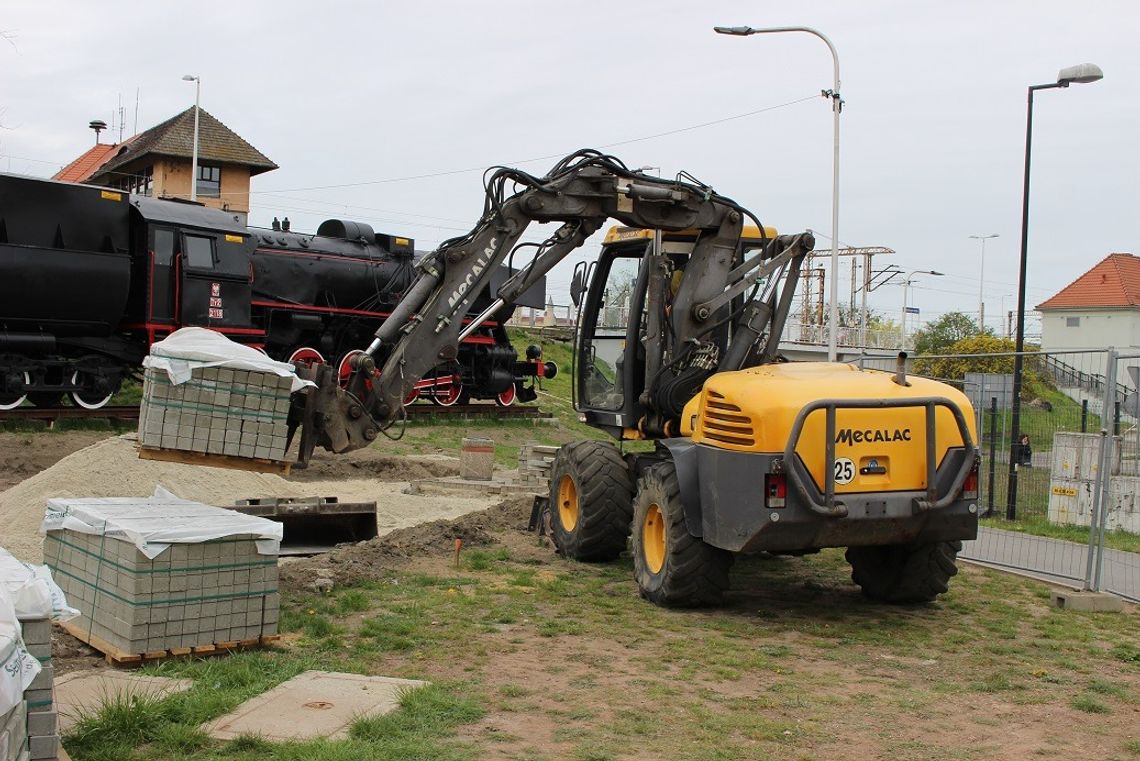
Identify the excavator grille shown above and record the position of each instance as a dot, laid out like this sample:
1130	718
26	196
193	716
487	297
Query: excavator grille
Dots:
725	422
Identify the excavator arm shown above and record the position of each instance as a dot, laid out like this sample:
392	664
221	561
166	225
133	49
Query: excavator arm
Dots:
582	191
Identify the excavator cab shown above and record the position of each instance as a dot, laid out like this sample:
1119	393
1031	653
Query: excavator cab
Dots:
613	321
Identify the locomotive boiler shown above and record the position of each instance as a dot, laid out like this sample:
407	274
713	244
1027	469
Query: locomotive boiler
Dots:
90	277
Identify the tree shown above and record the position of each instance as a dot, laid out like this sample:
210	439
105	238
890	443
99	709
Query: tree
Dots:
940	336
975	360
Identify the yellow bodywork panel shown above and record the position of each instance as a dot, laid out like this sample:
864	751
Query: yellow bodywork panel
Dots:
619	234
754	410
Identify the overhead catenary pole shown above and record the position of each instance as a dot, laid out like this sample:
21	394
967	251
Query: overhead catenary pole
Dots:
836	107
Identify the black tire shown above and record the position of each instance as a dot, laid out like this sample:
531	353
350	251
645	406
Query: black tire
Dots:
684	571
591	501
904	573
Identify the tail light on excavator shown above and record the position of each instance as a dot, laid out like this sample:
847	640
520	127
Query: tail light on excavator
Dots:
775	490
970	485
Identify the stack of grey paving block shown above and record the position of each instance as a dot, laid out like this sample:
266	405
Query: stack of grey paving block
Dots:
42	728
535	462
14	733
190	595
219	411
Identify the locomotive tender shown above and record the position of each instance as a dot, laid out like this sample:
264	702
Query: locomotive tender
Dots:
90	277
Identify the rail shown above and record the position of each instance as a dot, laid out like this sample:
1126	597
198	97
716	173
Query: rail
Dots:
51	414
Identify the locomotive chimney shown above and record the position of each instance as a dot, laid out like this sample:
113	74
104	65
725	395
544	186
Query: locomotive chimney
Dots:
98	125
285	224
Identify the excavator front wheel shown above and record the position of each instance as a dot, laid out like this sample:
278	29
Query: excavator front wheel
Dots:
673	567
592	494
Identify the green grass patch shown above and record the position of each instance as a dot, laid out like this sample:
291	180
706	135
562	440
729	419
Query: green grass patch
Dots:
1090	704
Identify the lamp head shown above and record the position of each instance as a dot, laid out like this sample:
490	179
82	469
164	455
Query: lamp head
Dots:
936	272
189	78
737	31
1082	73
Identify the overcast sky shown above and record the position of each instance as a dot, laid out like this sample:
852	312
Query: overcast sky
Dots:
373	96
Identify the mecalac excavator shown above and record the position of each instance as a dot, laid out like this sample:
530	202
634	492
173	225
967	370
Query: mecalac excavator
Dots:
678	344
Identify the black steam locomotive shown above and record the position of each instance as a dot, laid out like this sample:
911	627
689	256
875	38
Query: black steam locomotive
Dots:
91	277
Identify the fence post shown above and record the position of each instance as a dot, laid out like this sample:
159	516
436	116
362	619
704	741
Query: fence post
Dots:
1084	416
1115	414
1096	519
993	455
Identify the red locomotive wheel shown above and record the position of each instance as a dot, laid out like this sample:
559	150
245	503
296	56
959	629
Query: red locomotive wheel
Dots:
344	372
506	398
447	391
308	355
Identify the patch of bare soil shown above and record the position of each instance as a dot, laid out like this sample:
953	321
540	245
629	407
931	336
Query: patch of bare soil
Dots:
369	463
22	455
375	559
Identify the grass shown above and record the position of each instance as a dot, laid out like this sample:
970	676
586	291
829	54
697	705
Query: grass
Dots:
532	656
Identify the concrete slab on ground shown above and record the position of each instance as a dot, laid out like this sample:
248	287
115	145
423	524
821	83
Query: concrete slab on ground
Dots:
502	483
82	692
312	704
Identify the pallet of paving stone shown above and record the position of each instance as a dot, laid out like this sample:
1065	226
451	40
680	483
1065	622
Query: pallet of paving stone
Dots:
159	576
115	656
216	460
218	412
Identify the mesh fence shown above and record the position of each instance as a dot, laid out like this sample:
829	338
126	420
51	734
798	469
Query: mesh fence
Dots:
1039	478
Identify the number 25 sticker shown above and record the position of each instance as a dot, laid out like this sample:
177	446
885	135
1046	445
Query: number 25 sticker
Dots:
844	471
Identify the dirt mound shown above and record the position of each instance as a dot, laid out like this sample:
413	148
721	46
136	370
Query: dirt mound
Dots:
375	559
366	464
111	468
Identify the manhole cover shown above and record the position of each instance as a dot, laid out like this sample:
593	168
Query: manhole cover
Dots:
320	705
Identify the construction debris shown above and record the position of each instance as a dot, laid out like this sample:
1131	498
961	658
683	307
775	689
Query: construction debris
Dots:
535	461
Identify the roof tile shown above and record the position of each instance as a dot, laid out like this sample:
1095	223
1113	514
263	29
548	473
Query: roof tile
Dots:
83	167
1114	282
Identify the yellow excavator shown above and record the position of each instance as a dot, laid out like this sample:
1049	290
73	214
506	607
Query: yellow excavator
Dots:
677	344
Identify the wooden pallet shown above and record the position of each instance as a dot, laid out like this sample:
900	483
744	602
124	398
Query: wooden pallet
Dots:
116	657
215	460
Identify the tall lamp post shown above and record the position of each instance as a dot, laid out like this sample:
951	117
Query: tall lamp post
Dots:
836	107
982	280
906	292
1081	74
194	152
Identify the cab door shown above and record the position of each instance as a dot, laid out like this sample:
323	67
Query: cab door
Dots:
215	280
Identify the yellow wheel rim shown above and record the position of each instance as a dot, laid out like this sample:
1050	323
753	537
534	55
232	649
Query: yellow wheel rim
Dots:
653	538
568	503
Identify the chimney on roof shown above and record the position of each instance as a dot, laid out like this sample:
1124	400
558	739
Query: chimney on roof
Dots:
98	125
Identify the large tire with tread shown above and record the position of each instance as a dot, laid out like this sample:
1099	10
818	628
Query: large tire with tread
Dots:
673	568
591	501
904	573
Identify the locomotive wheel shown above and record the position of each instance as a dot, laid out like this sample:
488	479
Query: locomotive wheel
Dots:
44	399
449	395
506	398
10	401
88	400
308	355
344	372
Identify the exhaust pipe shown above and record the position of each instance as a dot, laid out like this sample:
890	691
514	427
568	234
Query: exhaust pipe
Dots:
900	370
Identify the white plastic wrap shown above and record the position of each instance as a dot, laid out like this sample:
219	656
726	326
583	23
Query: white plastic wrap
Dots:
187	349
32	590
17	666
154	523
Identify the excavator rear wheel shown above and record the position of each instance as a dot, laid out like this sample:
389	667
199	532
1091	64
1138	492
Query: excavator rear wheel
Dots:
591	496
904	573
673	568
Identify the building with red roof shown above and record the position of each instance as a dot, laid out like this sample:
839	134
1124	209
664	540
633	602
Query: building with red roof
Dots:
1101	308
157	162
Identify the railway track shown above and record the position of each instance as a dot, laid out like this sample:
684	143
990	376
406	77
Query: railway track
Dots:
51	414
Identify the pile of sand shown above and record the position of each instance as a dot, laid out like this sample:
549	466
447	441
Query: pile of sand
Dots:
111	468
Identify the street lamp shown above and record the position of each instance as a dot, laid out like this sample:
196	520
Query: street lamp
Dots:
836	107
1081	74
982	280
906	292
194	152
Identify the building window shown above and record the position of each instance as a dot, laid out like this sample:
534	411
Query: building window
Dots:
1072	322
140	183
209	180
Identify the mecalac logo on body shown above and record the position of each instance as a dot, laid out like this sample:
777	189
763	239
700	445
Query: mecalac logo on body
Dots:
871	435
476	270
